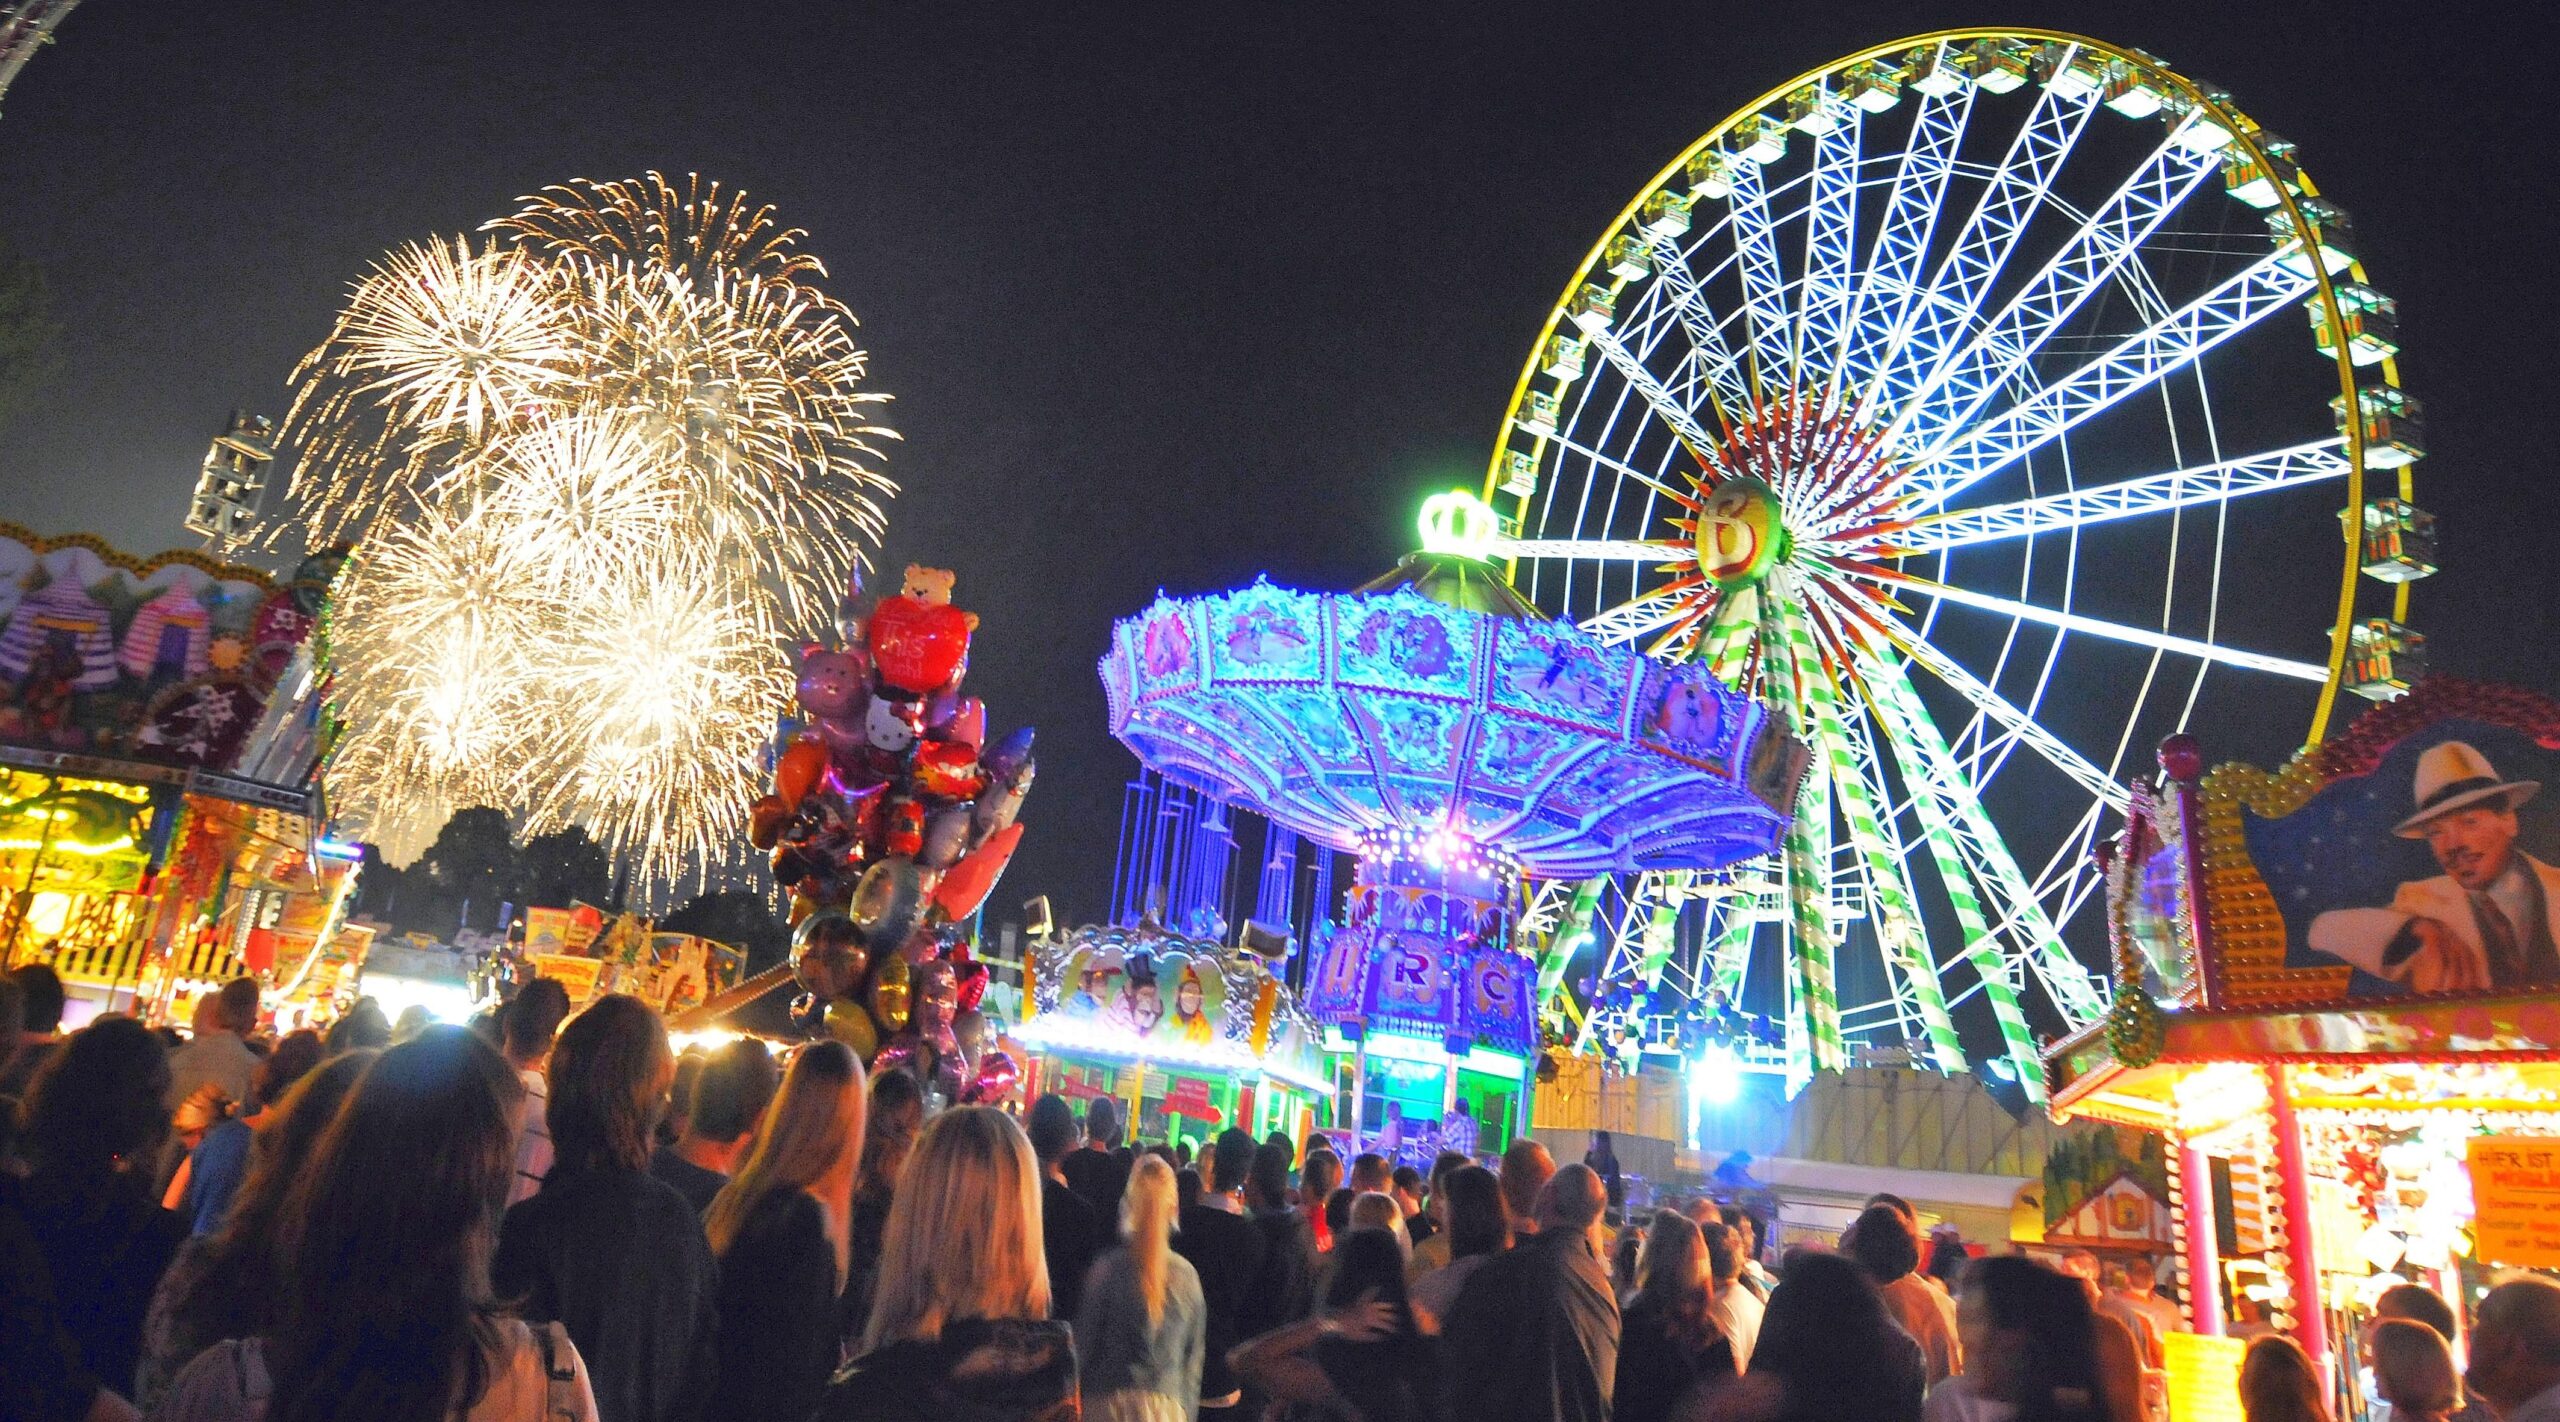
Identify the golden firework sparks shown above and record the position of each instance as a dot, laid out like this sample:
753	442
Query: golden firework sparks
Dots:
600	471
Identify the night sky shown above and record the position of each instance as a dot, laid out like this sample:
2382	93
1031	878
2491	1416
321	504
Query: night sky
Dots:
1167	296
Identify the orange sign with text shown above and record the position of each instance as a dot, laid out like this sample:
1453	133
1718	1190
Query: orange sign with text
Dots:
2515	1200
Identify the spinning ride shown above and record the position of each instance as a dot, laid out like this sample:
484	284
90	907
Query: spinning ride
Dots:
1434	726
1954	398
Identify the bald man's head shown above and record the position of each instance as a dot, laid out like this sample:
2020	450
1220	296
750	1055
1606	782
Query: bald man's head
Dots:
1572	1200
2515	1349
1526	1169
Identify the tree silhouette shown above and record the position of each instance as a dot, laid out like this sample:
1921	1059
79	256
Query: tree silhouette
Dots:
736	917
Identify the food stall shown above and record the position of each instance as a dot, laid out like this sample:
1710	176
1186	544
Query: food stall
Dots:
161	725
2338	1002
1191	1036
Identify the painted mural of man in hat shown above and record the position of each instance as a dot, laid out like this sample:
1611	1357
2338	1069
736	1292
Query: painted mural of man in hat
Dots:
2491	920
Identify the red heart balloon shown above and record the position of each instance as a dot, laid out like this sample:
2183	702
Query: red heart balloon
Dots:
918	645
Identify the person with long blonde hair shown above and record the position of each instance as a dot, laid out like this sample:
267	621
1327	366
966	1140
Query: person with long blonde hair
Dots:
782	1231
959	1324
1142	1328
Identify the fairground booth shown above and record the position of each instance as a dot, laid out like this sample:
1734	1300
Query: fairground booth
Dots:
161	727
2338	1001
1191	1036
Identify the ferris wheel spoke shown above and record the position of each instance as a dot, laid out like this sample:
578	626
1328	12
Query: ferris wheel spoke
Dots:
2019	725
1648	612
1855	776
2170	344
1814	1042
2165	492
1986	361
1891	288
1989	237
1594	550
1831	229
2099	627
2023	923
1936	798
1764	291
1618	466
1715	358
1572	933
1666	406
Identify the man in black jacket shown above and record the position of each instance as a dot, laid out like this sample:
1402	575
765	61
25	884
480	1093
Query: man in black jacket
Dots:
1226	1250
1099	1172
1070	1232
1286	1290
1533	1336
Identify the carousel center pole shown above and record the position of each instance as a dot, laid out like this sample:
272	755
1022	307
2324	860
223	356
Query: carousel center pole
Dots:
2310	1320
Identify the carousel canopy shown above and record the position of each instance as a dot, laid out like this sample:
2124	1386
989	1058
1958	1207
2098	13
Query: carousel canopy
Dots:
1435	702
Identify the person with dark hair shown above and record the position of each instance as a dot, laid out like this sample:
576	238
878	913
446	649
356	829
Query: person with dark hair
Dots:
604	1248
2030	1349
1285	1290
1526	1169
533	1018
2515	1350
2280	1383
1475	1228
890	1127
40	999
2418	1304
225	1284
1431	1245
736	1083
219	1051
385	1311
85	1241
1098	1171
1370	1174
1070	1231
361	1028
1361	1358
1408	1191
1947	1258
2120	1345
1669	1344
1533	1336
1225	1250
1883	1246
2414	1371
1830	1352
212	1172
1602	1157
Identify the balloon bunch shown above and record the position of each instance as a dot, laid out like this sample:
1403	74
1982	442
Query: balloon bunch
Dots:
890	821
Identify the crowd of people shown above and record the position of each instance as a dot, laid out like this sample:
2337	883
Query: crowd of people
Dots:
553	1215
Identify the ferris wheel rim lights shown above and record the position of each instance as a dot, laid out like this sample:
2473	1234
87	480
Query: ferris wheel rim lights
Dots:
1817	603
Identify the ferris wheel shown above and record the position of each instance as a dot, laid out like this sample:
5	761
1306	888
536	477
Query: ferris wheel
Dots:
1958	398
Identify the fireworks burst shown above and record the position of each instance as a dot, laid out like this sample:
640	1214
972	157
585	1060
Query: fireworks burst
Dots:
599	470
